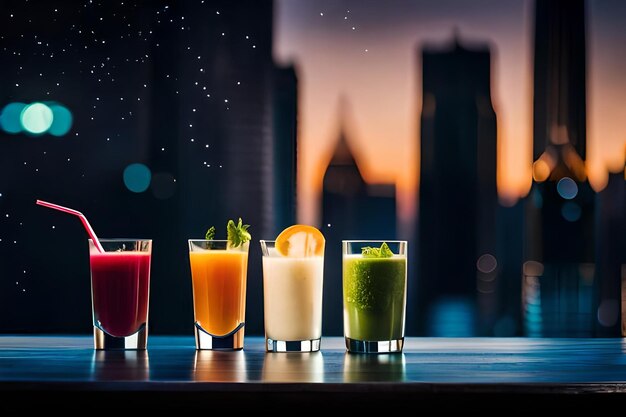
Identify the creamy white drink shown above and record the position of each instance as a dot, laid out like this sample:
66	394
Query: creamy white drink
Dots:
292	295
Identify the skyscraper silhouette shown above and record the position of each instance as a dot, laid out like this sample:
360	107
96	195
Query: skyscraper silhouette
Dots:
560	76
559	243
610	223
458	196
351	209
285	156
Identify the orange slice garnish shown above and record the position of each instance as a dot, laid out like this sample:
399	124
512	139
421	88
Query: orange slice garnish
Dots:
300	240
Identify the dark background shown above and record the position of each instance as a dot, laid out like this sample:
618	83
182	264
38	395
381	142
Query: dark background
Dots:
190	90
154	83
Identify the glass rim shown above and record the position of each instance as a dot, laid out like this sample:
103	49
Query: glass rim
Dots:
374	241
267	241
120	239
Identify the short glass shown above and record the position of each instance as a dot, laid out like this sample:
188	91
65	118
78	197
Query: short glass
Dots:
218	273
120	289
292	300
374	297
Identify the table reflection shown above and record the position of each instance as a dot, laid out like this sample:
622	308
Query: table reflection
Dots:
120	365
374	368
293	367
216	366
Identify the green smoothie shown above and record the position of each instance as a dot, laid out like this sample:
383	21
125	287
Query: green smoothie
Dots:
373	297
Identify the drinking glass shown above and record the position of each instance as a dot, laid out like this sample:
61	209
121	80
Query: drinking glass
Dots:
120	288
218	273
292	300
374	297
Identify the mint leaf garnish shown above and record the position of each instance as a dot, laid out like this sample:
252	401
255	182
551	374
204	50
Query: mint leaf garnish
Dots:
382	252
385	252
237	233
210	234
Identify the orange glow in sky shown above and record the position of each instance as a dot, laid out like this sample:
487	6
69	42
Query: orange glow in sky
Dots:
369	52
606	108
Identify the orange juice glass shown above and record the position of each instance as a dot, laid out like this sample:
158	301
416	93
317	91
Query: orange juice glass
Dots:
219	274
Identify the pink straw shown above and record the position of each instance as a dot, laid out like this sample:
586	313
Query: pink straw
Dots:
82	218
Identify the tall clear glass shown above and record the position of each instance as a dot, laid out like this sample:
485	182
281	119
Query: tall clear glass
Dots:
120	289
219	274
292	300
374	297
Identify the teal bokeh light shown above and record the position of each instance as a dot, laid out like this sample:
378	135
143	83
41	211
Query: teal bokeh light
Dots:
36	118
571	211
137	177
10	118
62	121
567	188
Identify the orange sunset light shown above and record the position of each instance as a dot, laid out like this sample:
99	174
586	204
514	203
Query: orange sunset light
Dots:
371	56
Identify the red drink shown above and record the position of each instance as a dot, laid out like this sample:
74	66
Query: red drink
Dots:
119	288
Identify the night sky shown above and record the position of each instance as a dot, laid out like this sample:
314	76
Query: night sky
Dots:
159	84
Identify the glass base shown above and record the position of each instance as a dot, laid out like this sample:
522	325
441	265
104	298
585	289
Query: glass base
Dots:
230	341
104	341
381	346
272	345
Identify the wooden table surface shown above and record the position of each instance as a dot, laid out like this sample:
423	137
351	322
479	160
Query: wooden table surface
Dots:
429	367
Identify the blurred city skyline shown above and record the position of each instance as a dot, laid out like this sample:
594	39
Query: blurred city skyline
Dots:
187	114
374	51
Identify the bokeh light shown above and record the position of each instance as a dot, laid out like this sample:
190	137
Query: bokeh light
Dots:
10	117
36	118
567	188
571	211
533	268
62	121
486	263
608	312
137	177
541	170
